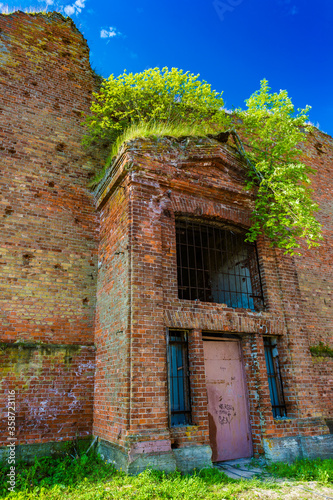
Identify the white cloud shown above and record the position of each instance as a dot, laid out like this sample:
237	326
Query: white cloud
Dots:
75	8
69	10
109	33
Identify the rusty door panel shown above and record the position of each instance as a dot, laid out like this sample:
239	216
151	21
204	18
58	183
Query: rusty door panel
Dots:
229	427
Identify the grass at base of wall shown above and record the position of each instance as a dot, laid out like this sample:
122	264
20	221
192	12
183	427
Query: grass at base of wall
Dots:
89	478
304	470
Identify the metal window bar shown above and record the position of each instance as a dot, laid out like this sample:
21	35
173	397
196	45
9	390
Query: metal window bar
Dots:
215	264
178	377
274	379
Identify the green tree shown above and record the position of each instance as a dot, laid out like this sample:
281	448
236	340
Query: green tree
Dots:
284	209
163	102
153	97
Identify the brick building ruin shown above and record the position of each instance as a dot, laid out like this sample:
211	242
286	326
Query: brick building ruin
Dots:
136	313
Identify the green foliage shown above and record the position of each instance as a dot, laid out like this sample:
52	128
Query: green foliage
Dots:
284	207
48	472
153	97
90	478
305	470
321	350
153	130
162	102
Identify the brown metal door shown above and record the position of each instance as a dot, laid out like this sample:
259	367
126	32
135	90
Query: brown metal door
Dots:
229	428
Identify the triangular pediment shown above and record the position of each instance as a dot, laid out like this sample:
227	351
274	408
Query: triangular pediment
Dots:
201	162
225	168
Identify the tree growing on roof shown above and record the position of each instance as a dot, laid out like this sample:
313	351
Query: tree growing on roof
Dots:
173	103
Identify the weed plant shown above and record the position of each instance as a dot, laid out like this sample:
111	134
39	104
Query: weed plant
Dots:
152	130
304	470
90	478
321	351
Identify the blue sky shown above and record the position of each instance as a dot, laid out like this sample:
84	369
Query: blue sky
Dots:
232	44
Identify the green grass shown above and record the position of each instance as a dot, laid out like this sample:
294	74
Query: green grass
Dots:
152	130
90	478
305	470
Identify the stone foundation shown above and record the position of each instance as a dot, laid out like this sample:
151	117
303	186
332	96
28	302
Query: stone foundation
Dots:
28	452
287	449
133	462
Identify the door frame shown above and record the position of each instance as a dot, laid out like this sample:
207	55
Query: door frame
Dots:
230	337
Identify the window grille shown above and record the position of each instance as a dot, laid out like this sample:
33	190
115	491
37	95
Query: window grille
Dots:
215	264
274	378
179	383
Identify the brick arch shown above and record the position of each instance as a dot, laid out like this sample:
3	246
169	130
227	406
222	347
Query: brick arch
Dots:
209	210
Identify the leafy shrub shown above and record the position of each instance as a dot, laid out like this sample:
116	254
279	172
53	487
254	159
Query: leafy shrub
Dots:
154	96
162	102
284	207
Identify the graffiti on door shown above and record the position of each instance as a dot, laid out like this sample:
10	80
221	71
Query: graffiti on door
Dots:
225	413
229	429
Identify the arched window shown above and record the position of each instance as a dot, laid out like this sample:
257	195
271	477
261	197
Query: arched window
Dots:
215	264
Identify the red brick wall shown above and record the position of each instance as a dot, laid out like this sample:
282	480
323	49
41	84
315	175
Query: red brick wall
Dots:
149	400
315	268
53	391
206	181
323	382
111	410
48	224
48	258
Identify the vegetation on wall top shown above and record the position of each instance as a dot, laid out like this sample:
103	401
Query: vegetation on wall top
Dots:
153	97
173	103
